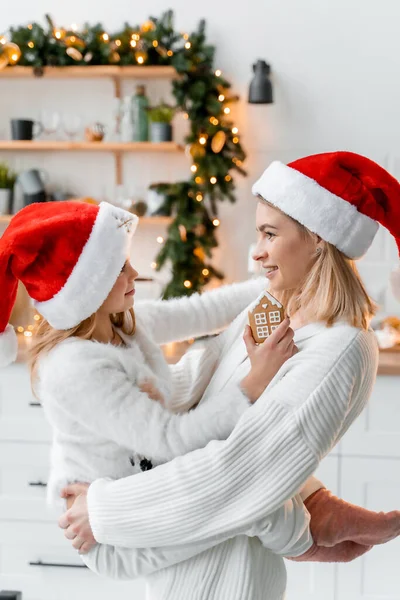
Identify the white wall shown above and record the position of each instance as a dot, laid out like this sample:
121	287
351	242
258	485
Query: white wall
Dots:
335	71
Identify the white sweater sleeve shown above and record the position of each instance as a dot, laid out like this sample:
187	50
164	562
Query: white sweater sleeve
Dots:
110	405
197	315
285	532
192	374
230	484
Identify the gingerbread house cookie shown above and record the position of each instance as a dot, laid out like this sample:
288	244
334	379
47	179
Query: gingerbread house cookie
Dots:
265	317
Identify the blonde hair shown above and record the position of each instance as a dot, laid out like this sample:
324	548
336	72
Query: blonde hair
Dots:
332	290
45	337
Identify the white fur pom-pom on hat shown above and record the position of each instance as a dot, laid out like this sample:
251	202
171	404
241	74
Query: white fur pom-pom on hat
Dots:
8	346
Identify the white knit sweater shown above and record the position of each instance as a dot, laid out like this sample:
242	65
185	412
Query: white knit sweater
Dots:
222	490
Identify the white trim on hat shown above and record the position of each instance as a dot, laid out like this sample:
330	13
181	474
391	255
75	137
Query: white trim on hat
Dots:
331	217
96	270
8	346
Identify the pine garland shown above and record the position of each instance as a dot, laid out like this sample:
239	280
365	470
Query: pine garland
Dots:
200	92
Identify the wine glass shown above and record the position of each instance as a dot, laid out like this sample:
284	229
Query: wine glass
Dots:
72	125
50	122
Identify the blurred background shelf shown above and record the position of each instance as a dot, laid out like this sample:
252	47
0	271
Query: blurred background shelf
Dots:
87	72
44	146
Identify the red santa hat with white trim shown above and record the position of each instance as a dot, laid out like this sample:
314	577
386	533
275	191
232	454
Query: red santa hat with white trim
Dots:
68	255
340	196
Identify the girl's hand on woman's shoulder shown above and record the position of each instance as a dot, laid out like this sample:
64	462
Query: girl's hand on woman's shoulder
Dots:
267	358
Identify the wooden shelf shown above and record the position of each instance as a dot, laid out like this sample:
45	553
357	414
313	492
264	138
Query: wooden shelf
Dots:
62	146
93	72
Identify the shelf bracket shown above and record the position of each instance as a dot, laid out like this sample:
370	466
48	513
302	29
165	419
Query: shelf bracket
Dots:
118	168
117	87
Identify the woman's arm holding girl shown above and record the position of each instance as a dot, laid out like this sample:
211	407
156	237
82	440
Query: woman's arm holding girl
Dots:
285	532
275	447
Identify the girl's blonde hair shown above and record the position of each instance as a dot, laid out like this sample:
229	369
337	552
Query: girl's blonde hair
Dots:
332	290
46	337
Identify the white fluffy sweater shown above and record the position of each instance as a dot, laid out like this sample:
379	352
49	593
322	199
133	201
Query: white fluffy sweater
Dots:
220	492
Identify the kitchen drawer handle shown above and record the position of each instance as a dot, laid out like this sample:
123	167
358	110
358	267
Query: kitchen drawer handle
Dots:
37	484
39	563
35	404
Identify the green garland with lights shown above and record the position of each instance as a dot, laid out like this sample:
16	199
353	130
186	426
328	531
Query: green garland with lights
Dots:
200	92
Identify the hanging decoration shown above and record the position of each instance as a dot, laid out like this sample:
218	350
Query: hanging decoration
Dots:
10	53
218	141
148	26
183	233
74	53
201	94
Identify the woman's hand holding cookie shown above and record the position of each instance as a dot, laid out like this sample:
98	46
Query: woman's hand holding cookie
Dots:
267	358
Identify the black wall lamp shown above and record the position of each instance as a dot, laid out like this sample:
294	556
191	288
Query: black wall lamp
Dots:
260	91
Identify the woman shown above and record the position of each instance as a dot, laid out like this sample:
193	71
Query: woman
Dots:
325	212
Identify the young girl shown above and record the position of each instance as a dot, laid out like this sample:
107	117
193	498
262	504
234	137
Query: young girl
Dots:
93	360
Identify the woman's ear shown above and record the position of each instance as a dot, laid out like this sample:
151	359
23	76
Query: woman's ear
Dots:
320	243
317	244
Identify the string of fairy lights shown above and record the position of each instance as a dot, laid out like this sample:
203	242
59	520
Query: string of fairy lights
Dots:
75	44
28	331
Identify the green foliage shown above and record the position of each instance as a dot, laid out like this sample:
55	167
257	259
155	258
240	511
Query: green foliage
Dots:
7	177
198	92
163	113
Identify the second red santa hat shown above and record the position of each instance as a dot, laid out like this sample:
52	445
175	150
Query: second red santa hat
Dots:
68	255
340	196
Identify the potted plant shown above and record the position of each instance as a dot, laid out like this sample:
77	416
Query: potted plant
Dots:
7	181
160	118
